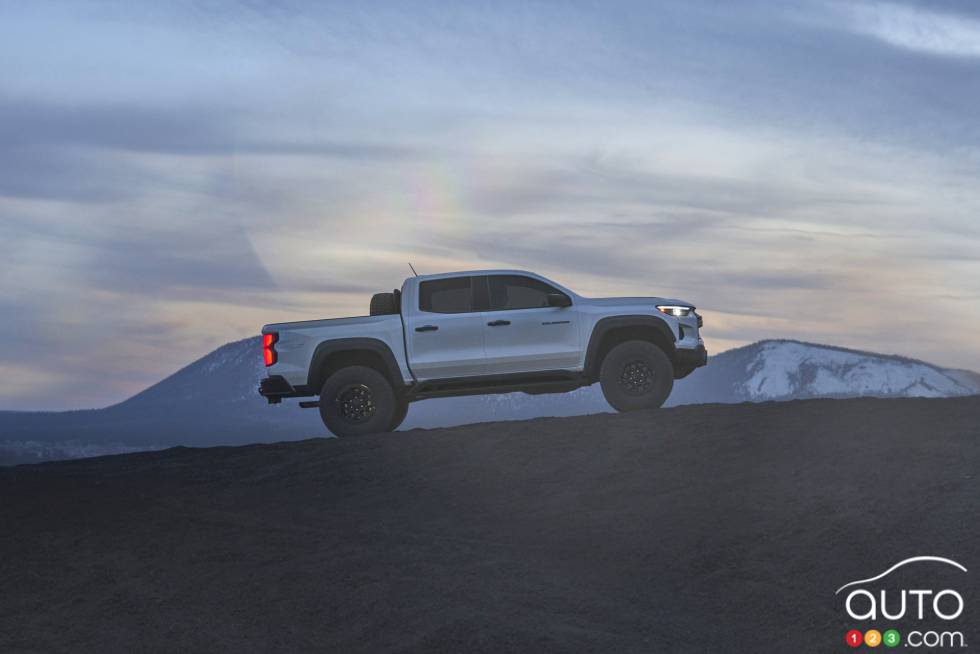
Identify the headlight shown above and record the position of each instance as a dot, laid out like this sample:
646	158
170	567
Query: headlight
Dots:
675	310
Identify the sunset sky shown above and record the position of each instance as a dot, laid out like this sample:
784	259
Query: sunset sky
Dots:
174	175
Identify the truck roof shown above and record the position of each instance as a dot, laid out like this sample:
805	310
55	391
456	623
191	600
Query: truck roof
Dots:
470	273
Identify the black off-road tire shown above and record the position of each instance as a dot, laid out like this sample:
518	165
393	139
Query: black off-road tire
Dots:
400	412
636	375
357	400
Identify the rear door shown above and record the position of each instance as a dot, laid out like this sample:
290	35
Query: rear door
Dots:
444	333
523	333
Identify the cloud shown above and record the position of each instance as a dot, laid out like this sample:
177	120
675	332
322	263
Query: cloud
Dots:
190	130
917	29
158	262
53	172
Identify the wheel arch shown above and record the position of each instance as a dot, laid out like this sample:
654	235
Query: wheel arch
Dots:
331	356
609	332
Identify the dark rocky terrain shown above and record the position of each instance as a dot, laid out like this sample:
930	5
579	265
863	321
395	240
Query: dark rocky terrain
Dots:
710	528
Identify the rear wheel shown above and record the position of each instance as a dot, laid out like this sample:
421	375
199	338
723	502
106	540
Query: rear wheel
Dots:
636	375
357	400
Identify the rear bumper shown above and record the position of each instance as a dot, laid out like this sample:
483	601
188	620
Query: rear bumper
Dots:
691	357
275	387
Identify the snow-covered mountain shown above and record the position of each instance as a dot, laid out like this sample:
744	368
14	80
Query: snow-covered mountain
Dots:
786	370
781	369
213	400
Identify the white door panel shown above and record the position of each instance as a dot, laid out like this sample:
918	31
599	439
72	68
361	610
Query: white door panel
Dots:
535	340
453	349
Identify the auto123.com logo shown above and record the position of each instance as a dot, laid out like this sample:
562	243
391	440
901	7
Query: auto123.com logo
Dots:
897	612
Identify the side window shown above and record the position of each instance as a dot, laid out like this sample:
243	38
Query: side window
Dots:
516	292
452	295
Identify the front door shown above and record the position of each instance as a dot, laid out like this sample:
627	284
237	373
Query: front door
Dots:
445	335
523	333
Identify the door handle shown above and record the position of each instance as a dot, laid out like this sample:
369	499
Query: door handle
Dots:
498	323
427	328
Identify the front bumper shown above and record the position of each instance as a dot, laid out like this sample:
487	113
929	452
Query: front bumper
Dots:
691	357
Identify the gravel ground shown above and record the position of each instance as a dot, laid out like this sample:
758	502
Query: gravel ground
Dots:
714	528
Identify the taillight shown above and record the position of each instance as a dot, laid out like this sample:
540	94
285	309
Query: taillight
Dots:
269	348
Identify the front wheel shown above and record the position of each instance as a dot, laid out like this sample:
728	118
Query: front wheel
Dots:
357	400
400	412
636	375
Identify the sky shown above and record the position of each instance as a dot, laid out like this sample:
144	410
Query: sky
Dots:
175	175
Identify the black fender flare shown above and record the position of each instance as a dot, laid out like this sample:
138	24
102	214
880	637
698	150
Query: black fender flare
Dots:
605	325
325	349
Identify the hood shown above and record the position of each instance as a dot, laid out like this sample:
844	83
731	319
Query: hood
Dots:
648	301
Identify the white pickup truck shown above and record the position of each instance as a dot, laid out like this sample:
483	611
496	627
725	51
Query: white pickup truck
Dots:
477	332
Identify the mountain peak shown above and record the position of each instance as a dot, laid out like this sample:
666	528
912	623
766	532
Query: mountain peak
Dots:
230	373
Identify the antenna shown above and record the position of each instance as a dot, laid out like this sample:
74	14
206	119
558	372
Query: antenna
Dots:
413	269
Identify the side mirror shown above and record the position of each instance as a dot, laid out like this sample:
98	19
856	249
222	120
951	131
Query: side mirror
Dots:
559	300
